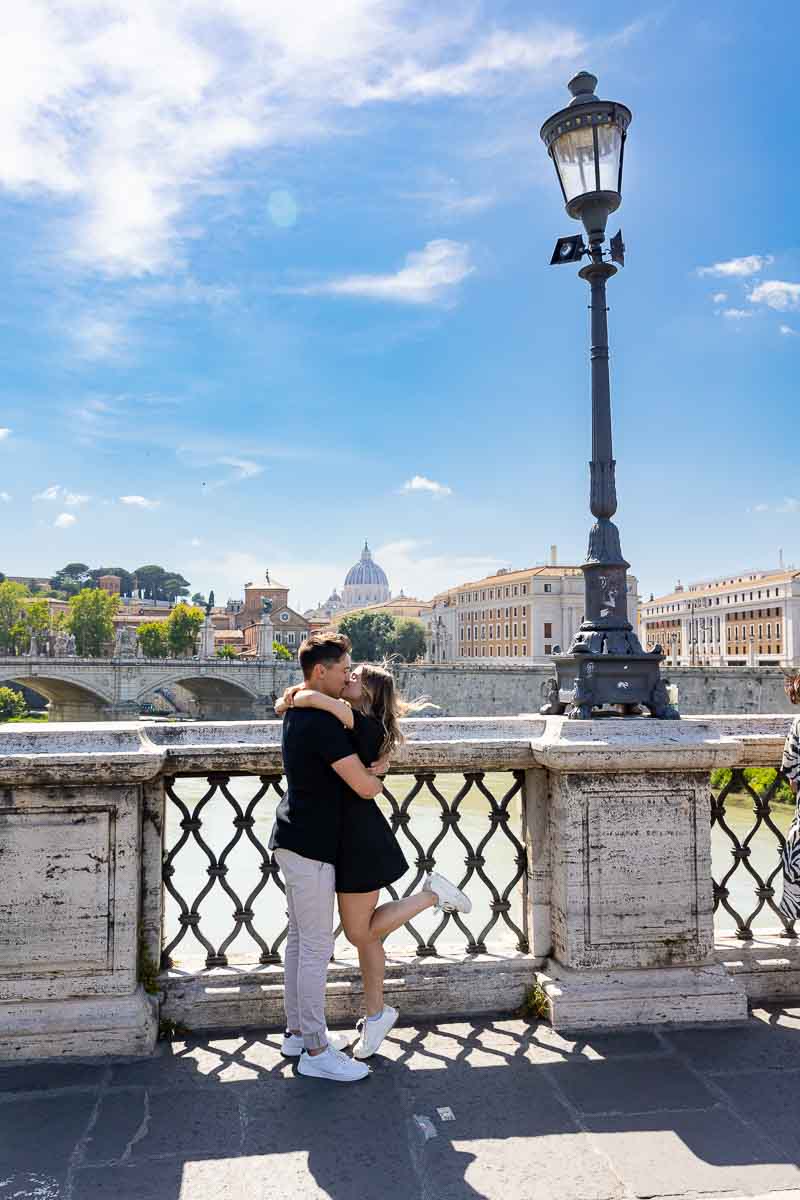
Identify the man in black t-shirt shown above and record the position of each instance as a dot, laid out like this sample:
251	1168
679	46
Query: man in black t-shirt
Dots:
318	758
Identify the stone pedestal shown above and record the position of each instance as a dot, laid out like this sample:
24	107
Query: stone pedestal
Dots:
205	648
70	848
265	637
630	874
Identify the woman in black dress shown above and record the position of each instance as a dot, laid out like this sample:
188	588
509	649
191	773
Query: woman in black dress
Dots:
370	857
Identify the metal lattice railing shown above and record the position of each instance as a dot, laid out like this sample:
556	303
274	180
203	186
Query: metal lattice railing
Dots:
758	833
225	886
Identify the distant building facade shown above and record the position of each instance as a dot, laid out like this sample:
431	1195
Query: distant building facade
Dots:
512	615
291	627
750	618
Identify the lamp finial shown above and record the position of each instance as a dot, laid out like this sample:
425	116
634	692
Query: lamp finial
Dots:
582	87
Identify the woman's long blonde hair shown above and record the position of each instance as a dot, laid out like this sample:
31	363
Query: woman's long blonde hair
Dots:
381	701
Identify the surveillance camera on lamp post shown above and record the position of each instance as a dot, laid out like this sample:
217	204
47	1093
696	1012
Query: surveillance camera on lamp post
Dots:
605	665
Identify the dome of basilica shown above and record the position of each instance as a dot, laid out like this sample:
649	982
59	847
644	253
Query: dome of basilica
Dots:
366	583
367	571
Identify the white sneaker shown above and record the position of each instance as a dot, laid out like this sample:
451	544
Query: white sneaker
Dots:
449	898
292	1044
333	1065
373	1032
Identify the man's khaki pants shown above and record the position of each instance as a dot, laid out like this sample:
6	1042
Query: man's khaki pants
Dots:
310	888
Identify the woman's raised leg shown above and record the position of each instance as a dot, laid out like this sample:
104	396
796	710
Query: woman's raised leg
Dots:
365	926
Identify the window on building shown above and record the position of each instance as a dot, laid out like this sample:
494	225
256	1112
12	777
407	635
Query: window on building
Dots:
548	629
506	634
777	631
524	589
524	628
548	587
524	651
516	629
483	632
769	629
752	630
516	590
548	649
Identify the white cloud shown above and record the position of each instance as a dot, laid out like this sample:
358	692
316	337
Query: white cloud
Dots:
777	294
195	541
719	297
139	502
243	468
5	497
64	521
787	331
419	483
736	314
50	493
185	291
4	433
57	492
788	505
738	268
429	276
444	198
99	337
131	112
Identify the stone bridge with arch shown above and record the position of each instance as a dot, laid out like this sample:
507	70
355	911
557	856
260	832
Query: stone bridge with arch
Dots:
102	689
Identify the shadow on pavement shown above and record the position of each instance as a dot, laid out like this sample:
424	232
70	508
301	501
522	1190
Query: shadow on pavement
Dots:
652	1113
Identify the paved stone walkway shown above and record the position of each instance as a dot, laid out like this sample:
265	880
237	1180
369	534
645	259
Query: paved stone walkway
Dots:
536	1116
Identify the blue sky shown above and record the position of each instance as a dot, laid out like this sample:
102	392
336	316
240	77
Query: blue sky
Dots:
277	282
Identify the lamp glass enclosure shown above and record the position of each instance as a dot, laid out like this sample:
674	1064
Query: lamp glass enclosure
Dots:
588	156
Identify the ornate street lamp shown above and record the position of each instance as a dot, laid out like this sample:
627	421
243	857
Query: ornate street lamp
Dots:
605	664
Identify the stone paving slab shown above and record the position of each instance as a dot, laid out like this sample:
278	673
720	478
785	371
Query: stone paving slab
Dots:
658	1113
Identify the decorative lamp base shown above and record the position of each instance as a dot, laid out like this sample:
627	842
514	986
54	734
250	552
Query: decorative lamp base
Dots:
587	682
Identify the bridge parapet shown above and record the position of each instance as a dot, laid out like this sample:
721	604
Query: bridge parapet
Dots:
605	888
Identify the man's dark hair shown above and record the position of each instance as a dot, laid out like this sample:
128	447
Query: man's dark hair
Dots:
325	646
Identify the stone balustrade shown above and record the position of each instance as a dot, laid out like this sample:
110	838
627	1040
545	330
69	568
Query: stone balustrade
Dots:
602	895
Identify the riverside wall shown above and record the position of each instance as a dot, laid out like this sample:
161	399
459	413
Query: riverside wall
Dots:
464	691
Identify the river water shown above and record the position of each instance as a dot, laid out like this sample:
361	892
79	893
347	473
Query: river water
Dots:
270	910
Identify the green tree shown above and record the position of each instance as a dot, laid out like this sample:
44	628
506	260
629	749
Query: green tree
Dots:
281	652
72	578
159	584
227	651
37	617
370	633
152	637
183	627
12	616
199	599
409	639
91	620
12	704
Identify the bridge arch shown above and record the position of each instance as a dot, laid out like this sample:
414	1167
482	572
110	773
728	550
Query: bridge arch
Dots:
215	696
67	699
